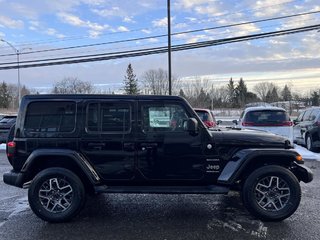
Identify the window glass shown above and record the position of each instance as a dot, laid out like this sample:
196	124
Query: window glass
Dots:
266	116
164	118
314	114
50	117
299	119
108	117
204	115
307	115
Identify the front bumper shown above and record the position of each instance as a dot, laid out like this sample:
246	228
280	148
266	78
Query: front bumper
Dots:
13	178
303	173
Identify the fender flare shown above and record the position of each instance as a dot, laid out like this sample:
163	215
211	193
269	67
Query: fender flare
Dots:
76	157
240	160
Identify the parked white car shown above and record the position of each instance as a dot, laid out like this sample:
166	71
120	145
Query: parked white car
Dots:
270	119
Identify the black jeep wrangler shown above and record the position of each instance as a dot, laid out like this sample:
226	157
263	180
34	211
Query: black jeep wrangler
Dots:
66	146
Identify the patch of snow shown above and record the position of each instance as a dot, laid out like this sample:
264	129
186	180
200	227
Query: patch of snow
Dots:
3	146
306	154
20	205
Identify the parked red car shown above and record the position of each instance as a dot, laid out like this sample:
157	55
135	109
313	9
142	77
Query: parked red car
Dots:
206	116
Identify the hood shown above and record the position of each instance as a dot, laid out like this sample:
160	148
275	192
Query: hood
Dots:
249	138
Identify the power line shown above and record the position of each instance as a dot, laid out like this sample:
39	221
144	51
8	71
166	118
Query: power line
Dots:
151	51
165	35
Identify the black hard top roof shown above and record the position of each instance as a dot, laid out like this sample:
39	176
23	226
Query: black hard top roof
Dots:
100	96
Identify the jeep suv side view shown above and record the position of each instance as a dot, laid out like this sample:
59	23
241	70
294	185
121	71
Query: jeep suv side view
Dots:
68	146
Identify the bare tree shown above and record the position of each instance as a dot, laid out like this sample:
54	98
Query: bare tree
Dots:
72	85
262	89
155	81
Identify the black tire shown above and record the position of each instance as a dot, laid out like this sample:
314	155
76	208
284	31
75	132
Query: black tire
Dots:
309	143
56	203
273	203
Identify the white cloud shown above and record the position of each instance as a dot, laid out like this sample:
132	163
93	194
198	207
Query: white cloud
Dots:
162	22
122	29
128	20
265	9
146	31
54	32
109	12
95	29
153	40
10	23
189	4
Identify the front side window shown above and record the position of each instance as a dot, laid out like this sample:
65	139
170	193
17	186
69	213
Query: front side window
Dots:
50	117
164	118
108	117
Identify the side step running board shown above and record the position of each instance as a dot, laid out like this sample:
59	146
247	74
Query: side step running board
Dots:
163	189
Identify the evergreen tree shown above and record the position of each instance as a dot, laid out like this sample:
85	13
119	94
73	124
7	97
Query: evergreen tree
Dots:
315	99
241	93
4	95
231	93
130	82
286	93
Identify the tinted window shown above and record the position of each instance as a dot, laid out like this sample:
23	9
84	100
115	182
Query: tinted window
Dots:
306	115
108	117
267	117
50	117
8	119
204	115
314	114
163	118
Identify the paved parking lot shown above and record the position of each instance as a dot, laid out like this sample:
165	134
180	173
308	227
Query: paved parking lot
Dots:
132	216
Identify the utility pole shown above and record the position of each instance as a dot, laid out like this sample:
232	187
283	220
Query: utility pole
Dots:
17	52
169	46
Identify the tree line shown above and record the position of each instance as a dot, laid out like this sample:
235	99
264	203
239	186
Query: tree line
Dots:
199	92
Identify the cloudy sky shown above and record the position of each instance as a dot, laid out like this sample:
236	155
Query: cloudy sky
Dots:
46	24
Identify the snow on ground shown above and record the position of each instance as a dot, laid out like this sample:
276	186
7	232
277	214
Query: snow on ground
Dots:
306	154
3	146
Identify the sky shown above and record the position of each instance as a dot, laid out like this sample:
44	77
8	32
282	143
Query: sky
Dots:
45	24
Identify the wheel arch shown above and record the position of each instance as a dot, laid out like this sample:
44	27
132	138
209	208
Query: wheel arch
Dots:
246	161
47	158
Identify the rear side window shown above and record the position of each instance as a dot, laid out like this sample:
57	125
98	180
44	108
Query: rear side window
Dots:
204	115
108	117
50	117
266	117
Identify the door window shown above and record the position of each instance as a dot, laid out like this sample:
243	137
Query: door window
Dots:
307	115
108	117
163	118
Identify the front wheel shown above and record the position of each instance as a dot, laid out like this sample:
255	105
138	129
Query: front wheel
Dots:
56	195
271	193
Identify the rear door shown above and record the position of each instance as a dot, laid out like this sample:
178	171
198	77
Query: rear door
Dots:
166	151
108	139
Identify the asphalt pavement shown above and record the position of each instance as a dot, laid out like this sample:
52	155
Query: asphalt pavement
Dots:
153	216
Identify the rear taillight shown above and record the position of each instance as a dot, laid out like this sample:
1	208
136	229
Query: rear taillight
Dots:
286	123
11	147
209	123
248	124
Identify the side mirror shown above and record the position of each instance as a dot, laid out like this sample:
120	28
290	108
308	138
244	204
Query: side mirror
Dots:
219	122
192	125
295	121
235	122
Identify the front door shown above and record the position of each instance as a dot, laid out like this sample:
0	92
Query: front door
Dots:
108	139
166	151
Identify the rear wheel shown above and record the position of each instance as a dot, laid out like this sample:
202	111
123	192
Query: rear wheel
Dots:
271	193
309	143
56	195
